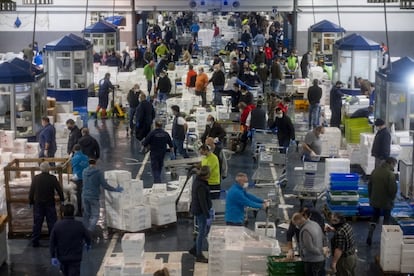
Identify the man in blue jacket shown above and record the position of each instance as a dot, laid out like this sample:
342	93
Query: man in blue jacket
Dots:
93	180
47	139
67	240
79	163
237	199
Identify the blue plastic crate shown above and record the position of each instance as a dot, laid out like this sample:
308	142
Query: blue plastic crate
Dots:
344	177
344	188
343	207
407	226
345	183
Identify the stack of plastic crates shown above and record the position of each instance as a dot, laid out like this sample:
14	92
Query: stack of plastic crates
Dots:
279	265
365	210
354	127
343	196
403	214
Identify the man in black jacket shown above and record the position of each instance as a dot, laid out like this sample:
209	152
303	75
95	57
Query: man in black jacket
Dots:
163	86
179	131
133	101
89	145
200	208
218	79
157	140
285	129
42	198
213	129
144	116
74	135
314	98
381	147
67	240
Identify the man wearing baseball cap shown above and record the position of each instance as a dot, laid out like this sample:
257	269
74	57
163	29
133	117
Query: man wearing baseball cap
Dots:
382	142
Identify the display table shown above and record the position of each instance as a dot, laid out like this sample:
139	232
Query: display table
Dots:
3	239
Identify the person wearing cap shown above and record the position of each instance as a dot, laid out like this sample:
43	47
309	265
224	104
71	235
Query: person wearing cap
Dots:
200	208
67	240
93	181
211	160
79	162
158	140
42	199
201	86
335	104
382	190
237	199
381	147
314	98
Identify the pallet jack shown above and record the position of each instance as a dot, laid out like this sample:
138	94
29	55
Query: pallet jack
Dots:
116	108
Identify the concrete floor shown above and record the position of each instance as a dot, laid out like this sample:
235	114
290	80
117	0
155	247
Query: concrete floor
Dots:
171	242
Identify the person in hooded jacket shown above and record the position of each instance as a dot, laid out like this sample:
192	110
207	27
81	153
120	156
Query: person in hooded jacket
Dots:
93	180
285	129
89	145
145	115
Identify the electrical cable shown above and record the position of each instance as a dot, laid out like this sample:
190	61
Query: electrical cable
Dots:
86	17
339	16
34	26
313	12
386	34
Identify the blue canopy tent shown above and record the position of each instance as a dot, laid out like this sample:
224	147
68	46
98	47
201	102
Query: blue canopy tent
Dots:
355	56
326	26
26	66
322	36
394	99
69	69
117	20
103	35
12	73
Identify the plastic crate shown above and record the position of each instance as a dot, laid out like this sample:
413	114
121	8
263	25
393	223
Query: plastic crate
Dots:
344	196
354	177
343	188
344	203
276	265
407	226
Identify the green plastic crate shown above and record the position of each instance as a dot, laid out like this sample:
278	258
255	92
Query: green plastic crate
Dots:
284	268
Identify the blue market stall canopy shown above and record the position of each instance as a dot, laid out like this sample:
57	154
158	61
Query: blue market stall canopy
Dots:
402	70
117	20
69	42
326	26
101	27
356	42
10	73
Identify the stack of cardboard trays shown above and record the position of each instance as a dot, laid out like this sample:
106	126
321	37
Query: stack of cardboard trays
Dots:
391	240
162	205
133	252
239	251
407	255
126	210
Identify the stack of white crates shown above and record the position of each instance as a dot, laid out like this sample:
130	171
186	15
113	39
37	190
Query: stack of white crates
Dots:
201	118
133	251
238	251
336	165
126	210
331	141
162	205
391	240
407	256
367	161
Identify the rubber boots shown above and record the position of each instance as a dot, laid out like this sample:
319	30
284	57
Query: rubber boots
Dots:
371	229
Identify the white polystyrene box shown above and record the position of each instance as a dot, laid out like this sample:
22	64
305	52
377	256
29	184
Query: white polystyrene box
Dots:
152	266
7	139
159	188
133	240
134	257
132	269
392	232
113	265
260	228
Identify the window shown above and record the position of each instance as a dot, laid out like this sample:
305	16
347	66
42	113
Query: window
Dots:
39	2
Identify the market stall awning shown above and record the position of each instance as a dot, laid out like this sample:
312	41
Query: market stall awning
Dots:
69	42
117	20
326	26
10	73
356	42
402	71
101	27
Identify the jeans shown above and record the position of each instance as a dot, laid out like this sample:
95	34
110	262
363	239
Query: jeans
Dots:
284	143
90	213
79	186
202	233
314	114
275	85
40	211
377	214
149	86
131	116
70	268
179	147
162	97
203	96
217	95
157	163
314	268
